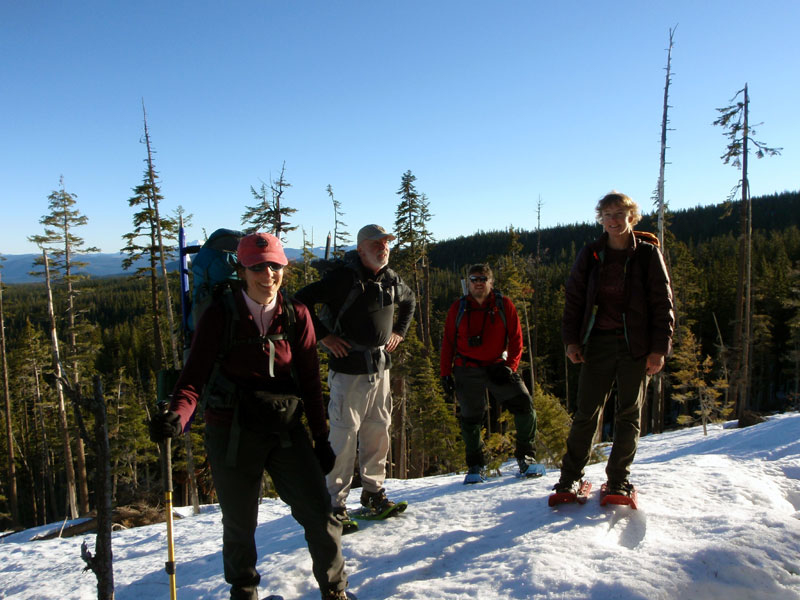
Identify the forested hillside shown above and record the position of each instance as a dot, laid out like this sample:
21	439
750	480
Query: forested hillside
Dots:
118	342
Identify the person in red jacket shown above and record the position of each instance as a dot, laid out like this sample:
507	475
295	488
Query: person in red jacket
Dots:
240	370
617	324
481	349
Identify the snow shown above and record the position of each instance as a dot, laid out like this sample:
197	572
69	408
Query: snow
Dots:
719	517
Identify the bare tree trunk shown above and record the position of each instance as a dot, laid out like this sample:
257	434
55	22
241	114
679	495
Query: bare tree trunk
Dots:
658	399
80	453
11	472
48	486
663	160
536	290
403	450
524	306
103	554
101	564
72	500
744	388
426	317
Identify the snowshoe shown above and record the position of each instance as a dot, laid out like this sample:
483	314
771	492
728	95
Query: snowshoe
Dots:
528	467
570	491
475	474
376	506
622	493
348	524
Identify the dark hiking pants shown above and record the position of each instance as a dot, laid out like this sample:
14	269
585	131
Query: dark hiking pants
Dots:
606	360
471	386
300	484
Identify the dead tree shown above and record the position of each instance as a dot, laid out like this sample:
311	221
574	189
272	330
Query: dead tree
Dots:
101	563
72	498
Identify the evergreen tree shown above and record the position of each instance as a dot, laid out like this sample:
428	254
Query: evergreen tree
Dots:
413	239
308	258
62	243
11	468
425	428
162	233
142	242
341	238
269	214
734	119
692	378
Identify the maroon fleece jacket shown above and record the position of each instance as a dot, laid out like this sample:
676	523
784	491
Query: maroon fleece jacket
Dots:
247	364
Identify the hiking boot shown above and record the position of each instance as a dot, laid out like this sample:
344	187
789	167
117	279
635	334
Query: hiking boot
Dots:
475	474
619	488
528	467
566	486
376	501
348	524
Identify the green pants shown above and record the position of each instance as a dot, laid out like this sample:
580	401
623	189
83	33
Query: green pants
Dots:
607	360
471	386
299	482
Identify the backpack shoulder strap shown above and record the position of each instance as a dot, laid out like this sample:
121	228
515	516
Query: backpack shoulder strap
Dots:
356	290
290	332
217	379
498	300
462	307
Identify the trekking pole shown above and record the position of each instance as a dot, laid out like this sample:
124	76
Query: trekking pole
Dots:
166	474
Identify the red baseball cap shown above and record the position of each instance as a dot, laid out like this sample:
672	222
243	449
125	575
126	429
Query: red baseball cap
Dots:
259	248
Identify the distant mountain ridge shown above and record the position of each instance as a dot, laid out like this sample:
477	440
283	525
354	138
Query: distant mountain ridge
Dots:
17	267
771	212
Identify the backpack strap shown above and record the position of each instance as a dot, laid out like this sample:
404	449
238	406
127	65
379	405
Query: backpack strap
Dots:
225	391
355	291
462	308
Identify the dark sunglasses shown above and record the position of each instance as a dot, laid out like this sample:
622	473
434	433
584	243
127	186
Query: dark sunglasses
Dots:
273	266
477	278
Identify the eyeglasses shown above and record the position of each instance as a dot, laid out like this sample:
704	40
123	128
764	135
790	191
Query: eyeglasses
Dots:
273	266
478	278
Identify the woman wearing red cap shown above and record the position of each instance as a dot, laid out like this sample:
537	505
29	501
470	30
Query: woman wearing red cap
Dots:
255	370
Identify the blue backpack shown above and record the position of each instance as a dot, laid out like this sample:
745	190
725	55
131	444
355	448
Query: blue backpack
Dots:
213	270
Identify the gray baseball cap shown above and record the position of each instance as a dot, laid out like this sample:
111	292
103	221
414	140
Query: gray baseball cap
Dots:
373	232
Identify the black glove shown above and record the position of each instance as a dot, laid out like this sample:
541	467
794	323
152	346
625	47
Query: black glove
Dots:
165	426
448	385
324	453
499	373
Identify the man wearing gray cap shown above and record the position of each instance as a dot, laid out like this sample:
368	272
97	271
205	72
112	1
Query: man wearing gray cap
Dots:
356	325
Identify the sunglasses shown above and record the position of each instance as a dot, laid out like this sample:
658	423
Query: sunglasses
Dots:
478	278
273	266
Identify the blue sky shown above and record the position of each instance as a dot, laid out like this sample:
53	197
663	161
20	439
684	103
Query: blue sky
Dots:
492	105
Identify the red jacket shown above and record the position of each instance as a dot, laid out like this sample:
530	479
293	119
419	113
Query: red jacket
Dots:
248	364
485	321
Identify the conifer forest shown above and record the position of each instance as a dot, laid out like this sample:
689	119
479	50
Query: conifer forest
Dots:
76	349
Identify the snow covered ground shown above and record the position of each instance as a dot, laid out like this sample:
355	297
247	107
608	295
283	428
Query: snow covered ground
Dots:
719	517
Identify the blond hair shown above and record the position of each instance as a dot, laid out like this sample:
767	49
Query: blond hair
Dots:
615	198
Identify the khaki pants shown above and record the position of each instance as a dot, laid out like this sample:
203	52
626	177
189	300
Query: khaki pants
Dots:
606	360
360	412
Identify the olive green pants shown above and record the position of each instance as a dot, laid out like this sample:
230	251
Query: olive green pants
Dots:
606	360
299	482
